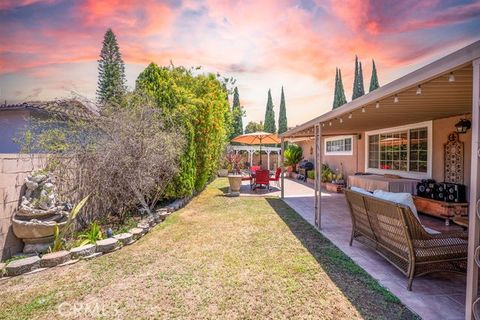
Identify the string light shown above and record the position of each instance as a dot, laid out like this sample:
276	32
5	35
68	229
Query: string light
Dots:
419	89
451	77
377	105
395	99
350	116
363	109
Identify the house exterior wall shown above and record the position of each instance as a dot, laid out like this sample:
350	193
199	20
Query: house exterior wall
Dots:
356	163
13	170
11	121
350	163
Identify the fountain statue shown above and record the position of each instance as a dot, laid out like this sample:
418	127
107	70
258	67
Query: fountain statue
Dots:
39	212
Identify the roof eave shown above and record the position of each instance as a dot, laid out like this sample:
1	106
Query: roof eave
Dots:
443	65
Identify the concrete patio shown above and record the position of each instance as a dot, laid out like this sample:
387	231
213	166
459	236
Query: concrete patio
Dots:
435	296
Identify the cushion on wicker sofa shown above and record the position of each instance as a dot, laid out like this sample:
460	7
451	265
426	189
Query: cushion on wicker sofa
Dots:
361	190
400	198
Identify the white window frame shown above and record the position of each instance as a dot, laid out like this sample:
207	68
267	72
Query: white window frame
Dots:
405	174
338	153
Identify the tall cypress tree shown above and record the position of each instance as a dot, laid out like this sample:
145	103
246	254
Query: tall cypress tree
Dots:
374	79
339	99
361	88
269	123
335	91
341	92
282	116
111	70
237	114
358	89
355	81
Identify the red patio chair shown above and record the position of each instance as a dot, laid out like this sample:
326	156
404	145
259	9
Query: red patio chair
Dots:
276	177
255	168
262	178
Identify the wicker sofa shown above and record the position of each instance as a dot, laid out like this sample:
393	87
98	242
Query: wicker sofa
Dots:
397	235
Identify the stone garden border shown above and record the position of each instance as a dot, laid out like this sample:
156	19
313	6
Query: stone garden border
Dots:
36	263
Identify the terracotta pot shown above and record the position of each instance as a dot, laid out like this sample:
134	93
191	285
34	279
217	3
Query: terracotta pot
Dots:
235	181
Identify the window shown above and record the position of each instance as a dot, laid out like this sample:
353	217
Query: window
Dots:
341	145
403	149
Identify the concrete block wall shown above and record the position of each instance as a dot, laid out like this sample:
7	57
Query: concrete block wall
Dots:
13	170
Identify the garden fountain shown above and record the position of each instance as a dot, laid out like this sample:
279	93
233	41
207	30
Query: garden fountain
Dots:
39	212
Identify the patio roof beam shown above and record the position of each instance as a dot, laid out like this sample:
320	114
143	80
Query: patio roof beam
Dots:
474	223
318	176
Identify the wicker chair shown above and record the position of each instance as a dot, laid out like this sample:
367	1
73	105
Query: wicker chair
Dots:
397	235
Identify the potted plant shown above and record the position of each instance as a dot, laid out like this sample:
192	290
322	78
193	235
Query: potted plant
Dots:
234	176
293	155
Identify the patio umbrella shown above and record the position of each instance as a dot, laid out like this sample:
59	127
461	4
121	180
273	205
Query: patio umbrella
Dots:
257	138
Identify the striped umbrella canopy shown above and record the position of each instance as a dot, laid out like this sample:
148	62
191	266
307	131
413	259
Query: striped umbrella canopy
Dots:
258	138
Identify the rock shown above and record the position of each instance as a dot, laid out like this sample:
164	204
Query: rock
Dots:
31	185
48	186
18	267
124	238
143	225
164	215
137	233
107	245
156	217
38	178
55	258
36	247
83	251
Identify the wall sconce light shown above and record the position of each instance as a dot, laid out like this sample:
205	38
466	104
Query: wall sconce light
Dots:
395	99
451	77
363	109
341	120
350	116
377	105
419	90
463	125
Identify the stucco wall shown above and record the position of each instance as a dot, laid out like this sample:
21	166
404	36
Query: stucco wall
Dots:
356	163
441	129
13	170
351	163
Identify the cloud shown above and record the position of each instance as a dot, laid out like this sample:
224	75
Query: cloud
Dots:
267	43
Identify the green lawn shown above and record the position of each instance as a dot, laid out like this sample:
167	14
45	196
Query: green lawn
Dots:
218	258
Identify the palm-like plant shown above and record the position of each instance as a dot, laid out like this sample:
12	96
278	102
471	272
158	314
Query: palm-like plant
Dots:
59	235
92	235
293	155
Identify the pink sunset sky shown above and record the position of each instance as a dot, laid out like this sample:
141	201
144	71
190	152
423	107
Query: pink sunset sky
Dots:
49	48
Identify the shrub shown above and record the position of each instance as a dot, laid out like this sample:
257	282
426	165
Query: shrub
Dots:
293	155
92	235
311	174
327	174
198	103
123	158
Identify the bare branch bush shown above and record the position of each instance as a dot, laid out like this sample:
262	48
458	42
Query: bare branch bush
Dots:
123	158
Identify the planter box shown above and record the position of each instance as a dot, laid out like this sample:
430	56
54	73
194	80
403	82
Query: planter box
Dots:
333	187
